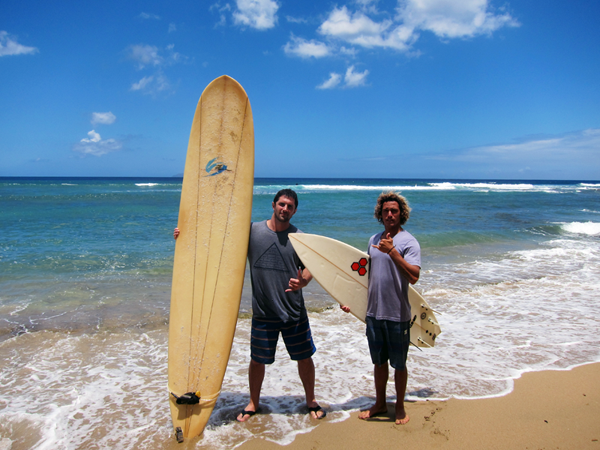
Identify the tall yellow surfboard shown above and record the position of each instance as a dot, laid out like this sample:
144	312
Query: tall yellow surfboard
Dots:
210	252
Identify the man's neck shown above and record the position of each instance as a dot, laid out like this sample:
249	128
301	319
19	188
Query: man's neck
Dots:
392	231
276	225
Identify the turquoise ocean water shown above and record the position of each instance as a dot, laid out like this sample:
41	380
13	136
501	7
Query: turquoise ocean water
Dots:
512	267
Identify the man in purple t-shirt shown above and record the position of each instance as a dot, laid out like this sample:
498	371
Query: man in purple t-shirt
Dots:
395	262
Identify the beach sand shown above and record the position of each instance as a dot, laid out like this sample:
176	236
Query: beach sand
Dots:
546	410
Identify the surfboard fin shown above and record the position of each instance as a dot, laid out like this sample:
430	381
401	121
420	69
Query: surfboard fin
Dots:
189	398
416	346
437	312
423	342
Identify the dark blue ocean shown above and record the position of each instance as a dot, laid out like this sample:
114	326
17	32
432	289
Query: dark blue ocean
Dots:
511	267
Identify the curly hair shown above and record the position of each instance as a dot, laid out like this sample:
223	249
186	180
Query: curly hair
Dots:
392	197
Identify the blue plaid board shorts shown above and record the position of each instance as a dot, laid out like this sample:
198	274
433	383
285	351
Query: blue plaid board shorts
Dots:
296	336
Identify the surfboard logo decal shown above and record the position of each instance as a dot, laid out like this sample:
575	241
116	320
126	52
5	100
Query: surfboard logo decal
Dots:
215	167
360	266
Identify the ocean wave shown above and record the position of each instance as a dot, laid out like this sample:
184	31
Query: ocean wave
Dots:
390	187
258	189
487	186
336	187
422	186
586	228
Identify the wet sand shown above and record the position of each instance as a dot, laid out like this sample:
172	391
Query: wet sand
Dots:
546	410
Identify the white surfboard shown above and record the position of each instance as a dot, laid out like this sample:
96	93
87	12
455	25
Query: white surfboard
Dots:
343	271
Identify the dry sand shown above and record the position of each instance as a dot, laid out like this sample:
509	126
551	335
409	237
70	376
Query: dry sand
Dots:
546	410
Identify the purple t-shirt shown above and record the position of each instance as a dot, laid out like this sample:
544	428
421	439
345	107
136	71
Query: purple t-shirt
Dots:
388	290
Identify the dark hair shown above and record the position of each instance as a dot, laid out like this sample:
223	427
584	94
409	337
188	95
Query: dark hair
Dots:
286	193
392	197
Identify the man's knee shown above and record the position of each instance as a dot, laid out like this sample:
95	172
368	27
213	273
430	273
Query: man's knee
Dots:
304	361
255	364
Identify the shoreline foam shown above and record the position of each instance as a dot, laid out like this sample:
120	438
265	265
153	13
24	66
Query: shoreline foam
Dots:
551	409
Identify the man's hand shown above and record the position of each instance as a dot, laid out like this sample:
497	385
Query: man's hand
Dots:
386	244
176	233
410	271
297	283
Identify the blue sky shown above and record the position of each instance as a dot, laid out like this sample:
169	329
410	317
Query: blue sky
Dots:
396	89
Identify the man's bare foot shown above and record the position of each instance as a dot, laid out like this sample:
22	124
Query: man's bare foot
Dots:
245	414
316	412
374	411
402	419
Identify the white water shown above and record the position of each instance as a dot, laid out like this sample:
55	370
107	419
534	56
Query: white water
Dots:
523	311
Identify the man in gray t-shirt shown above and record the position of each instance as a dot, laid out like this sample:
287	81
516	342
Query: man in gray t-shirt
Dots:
395	262
278	277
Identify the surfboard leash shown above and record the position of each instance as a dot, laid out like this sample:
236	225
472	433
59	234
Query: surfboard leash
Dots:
193	398
189	398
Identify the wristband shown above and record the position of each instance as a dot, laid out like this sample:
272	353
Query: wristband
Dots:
391	249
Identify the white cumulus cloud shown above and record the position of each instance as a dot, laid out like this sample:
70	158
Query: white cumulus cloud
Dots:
353	27
149	16
305	49
355	79
144	55
155	60
453	18
96	146
293	19
10	46
259	14
361	24
332	82
105	118
152	85
221	10
361	31
365	26
142	84
351	79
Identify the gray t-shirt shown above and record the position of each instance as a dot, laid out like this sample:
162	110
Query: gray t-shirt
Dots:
273	262
388	290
